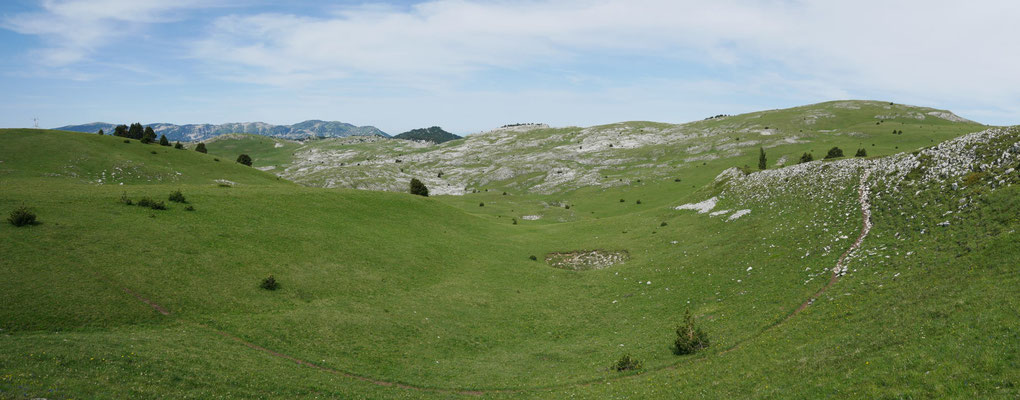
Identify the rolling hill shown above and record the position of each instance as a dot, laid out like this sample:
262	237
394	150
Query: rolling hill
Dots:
891	275
542	160
434	135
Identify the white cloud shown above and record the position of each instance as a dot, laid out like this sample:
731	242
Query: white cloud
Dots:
75	29
918	48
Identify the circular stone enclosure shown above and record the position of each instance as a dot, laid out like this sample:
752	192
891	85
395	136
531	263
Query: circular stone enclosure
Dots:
586	260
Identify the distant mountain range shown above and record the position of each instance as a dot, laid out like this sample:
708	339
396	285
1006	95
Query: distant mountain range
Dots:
434	134
199	132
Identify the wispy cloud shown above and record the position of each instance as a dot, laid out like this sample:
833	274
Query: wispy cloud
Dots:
928	48
75	29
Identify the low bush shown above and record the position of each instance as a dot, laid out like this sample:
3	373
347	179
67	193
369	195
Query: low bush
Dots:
663	223
638	202
269	283
533	258
861	153
150	203
189	208
177	197
244	159
124	199
481	204
22	216
623	201
689	338
627	363
806	157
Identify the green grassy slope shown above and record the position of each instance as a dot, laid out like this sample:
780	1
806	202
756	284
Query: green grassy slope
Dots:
410	290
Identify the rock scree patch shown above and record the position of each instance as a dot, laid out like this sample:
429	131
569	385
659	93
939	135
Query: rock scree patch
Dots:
585	260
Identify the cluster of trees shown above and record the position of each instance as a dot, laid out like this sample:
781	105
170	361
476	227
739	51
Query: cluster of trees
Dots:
138	132
897	132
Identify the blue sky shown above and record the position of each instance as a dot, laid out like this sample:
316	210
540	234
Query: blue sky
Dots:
470	66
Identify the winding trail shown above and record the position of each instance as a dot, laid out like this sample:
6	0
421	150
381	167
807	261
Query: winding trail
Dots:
837	271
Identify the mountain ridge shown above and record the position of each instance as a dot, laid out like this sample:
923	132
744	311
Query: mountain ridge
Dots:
198	132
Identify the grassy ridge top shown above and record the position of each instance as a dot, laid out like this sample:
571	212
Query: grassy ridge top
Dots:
107	160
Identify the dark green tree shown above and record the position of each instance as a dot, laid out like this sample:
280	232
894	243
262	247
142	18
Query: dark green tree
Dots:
163	141
244	159
689	338
100	132
834	152
135	131
201	148
762	161
178	146
419	188
148	135
120	131
807	157
861	153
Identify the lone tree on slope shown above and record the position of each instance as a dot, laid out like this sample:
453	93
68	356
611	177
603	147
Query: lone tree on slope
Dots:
244	159
163	141
762	161
834	152
419	188
201	148
100	131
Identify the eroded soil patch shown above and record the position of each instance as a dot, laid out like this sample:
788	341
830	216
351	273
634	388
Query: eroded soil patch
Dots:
584	260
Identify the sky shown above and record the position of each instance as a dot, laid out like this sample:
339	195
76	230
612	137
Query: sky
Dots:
470	66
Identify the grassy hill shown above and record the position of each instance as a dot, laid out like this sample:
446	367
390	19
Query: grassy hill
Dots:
536	159
433	134
388	295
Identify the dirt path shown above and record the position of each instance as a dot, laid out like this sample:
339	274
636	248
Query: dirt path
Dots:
837	271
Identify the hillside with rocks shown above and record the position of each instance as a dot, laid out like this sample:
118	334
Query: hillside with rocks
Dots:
539	159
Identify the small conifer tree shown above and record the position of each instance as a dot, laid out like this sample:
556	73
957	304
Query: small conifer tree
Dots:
834	152
163	140
201	148
762	161
148	135
178	146
861	153
806	157
244	159
689	338
419	188
100	132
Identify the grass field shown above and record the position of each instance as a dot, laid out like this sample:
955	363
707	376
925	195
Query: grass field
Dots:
388	295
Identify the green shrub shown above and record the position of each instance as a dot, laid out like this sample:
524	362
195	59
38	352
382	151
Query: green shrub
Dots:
689	338
201	148
566	206
244	159
861	153
269	283
533	258
124	199
150	203
806	157
834	152
22	216
163	141
418	188
481	204
127	141
638	202
177	197
622	200
515	221
663	223
178	146
627	363
189	208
